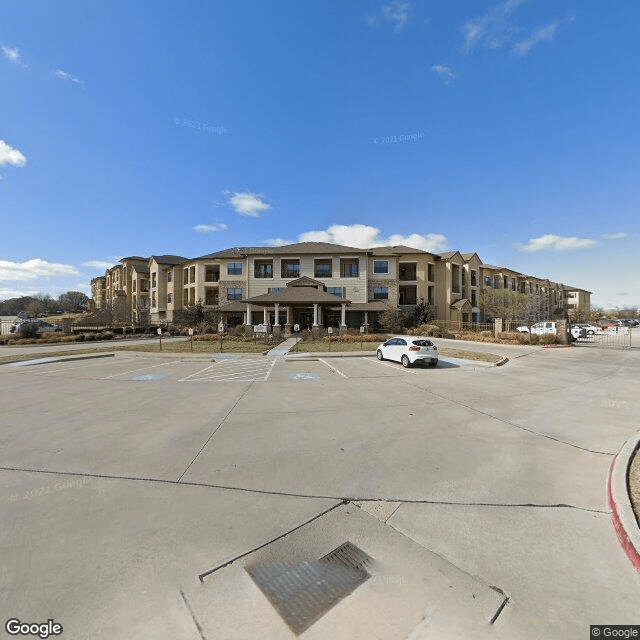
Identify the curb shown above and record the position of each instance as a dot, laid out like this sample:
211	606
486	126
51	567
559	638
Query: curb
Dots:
47	360
622	514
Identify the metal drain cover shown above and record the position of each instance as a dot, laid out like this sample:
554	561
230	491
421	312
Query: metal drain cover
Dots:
302	593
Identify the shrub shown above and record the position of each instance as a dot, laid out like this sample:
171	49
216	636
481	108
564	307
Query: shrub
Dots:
80	337
547	338
27	330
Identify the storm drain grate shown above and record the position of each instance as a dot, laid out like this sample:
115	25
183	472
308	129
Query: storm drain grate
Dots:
302	593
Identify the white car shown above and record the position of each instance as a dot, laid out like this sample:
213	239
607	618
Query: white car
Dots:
589	328
408	350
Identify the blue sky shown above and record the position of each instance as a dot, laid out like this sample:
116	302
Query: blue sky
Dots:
509	129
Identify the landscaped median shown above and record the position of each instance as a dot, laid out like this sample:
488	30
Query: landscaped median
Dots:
370	343
231	345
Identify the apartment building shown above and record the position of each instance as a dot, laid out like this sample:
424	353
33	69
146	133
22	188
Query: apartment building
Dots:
316	284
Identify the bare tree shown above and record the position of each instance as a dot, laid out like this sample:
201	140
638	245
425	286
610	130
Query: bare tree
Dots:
73	301
503	303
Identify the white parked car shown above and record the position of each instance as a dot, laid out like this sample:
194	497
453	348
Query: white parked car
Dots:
589	328
408	350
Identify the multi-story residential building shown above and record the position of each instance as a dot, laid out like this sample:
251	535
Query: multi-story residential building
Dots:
317	284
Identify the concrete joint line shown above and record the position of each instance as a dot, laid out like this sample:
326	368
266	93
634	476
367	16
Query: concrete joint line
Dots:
503	604
202	576
193	615
619	499
508	422
213	433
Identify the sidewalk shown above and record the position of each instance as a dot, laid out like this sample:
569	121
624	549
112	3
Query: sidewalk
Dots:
283	348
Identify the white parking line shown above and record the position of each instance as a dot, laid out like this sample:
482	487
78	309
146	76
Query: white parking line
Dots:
152	366
332	368
249	371
399	367
196	373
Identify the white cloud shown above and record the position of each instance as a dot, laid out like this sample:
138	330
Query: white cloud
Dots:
82	286
553	242
492	29
9	155
278	242
396	12
5	294
209	228
32	269
100	265
12	54
620	235
249	204
63	75
364	236
446	73
542	34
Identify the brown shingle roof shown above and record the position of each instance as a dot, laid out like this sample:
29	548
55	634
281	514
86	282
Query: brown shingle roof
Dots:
299	295
169	259
285	249
395	250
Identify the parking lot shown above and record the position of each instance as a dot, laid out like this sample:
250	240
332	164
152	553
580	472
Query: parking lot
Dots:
135	489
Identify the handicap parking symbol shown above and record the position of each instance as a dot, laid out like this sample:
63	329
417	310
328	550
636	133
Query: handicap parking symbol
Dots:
302	376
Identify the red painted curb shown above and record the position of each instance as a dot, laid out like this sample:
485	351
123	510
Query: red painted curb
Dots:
632	553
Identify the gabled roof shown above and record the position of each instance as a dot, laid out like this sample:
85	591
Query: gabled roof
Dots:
469	256
447	255
306	281
395	250
460	304
168	259
141	268
303	248
297	295
135	259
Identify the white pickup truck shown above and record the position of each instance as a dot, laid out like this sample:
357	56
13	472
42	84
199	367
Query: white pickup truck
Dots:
540	328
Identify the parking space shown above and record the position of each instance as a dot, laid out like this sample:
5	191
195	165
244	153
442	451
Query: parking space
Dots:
159	468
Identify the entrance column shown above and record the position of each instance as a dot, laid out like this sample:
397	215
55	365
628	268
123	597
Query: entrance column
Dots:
248	314
287	326
343	318
277	320
265	317
315	314
366	320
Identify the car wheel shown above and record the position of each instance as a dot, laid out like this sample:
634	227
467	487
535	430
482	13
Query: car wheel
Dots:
591	332
433	363
379	354
405	361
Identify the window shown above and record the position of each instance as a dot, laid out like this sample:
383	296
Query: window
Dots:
487	281
169	276
336	291
211	274
322	268
210	296
349	268
290	268
234	293
234	268
407	271
185	276
192	274
133	285
381	266
153	298
381	293
474	278
263	269
430	276
169	298
276	289
153	279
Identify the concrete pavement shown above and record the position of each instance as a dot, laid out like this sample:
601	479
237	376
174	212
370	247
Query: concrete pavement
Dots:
123	480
